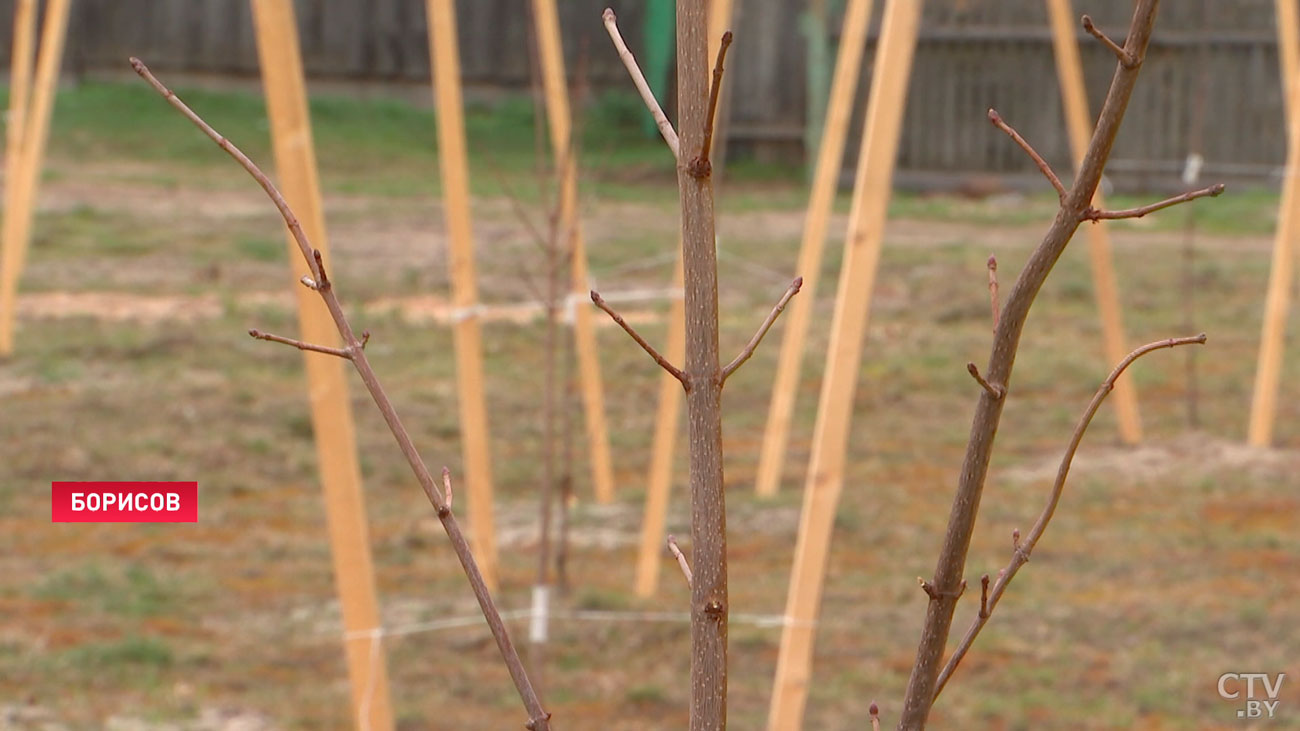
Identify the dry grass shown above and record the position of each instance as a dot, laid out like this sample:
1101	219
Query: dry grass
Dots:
1168	565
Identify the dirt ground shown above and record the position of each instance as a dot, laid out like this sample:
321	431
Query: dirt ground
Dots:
1169	563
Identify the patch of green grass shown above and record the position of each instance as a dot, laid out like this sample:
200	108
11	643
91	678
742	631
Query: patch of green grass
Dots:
135	592
260	248
141	652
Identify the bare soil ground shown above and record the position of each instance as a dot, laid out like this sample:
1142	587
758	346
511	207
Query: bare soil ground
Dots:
1169	563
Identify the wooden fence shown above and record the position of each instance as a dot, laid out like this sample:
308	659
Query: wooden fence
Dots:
973	54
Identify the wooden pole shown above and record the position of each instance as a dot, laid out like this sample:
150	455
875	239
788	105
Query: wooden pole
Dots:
667	421
453	161
1079	124
331	411
559	119
839	113
650	554
1263	408
876	159
33	130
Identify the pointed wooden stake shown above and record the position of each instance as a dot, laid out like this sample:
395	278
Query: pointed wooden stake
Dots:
1263	408
888	98
820	202
453	162
31	128
551	52
331	411
1079	122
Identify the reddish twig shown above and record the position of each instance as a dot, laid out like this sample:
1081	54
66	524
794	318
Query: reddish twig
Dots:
996	392
714	92
874	712
748	352
344	353
642	87
993	290
647	347
1129	60
539	719
1022	549
1046	169
681	559
1094	215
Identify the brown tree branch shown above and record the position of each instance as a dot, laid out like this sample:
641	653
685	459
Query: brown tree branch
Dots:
539	719
1046	169
681	559
1021	550
647	347
344	353
642	87
993	290
447	493
1128	60
994	391
1094	215
951	564
714	91
748	352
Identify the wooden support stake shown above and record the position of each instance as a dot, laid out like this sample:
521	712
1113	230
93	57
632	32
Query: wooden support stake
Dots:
1078	121
331	411
876	159
1263	408
839	113
453	161
551	53
661	454
650	555
33	128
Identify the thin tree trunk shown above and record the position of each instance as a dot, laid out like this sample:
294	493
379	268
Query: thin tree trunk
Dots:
709	602
948	573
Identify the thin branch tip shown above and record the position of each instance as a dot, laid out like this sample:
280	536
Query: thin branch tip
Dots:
748	351
673	370
993	390
1129	60
1095	215
681	559
1043	167
642	86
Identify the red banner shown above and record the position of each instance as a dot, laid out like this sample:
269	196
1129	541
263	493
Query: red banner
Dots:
124	502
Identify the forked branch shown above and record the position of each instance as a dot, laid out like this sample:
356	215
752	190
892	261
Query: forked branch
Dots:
344	353
538	718
1021	549
748	352
647	347
642	86
1094	215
